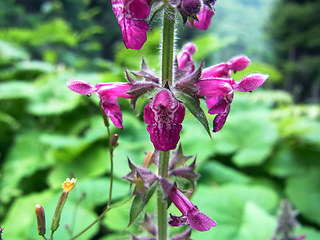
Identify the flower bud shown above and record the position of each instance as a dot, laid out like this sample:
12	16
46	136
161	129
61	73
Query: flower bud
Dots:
114	140
41	219
67	187
191	7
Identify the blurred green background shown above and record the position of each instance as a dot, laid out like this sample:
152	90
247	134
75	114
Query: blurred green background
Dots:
268	150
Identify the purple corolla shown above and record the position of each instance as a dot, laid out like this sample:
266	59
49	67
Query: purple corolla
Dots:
164	115
190	213
204	17
130	15
108	94
218	93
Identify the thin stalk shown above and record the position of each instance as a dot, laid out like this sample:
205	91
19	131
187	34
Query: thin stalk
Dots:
108	208
162	205
168	45
111	148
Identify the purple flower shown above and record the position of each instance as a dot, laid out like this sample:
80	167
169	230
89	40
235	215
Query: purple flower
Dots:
108	94
190	213
164	115
204	17
218	92
184	57
130	15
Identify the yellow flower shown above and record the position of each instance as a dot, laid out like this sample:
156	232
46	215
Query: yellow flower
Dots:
68	184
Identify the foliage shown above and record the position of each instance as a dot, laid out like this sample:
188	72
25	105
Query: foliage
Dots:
48	133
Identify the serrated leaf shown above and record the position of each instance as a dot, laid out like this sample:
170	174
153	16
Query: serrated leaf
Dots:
139	202
193	106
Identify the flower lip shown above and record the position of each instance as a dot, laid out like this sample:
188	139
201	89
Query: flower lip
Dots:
164	115
190	213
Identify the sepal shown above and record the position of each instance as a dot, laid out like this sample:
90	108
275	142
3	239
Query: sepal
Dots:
187	173
187	83
178	158
141	177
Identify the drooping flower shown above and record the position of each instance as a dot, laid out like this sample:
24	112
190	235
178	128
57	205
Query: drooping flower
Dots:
108	94
130	15
164	115
204	18
218	93
190	213
184	57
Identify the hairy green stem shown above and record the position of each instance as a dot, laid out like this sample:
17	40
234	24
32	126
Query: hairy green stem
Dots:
162	205
167	78
168	45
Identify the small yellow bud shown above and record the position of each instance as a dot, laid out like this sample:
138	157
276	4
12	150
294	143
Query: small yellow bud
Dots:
68	184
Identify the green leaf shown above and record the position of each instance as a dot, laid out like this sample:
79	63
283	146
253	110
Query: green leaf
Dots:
90	163
10	52
193	106
95	192
214	171
196	141
140	202
292	161
303	192
249	134
241	212
16	89
25	157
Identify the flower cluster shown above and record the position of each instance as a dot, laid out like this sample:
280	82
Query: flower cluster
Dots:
165	112
144	179
132	15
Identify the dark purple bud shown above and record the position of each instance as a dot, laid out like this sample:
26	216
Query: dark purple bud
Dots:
114	140
191	7
41	219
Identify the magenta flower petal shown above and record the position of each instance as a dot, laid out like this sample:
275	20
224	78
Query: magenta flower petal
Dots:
81	87
238	63
118	89
250	82
130	15
164	115
108	94
220	70
220	120
190	213
113	112
204	17
214	87
184	57
200	221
